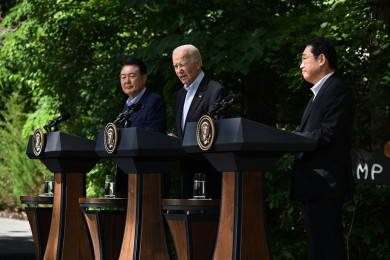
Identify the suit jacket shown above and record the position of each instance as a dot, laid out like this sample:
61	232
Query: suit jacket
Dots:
327	171
152	115
209	92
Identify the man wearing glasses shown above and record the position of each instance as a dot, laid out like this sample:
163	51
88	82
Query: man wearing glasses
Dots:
323	178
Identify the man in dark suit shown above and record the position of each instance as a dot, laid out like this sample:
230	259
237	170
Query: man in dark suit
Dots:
152	114
194	100
323	178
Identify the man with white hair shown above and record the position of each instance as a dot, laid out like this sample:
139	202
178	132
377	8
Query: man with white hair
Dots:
195	99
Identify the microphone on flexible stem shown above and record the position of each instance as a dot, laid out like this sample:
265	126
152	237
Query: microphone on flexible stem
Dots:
122	115
217	106
128	113
222	107
55	122
226	105
119	118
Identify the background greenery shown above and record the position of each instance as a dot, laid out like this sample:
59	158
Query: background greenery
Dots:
59	56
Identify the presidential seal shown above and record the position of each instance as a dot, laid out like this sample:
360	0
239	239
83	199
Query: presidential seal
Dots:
110	138
38	142
205	132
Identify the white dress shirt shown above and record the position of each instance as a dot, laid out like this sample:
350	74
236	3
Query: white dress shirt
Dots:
316	88
191	90
129	101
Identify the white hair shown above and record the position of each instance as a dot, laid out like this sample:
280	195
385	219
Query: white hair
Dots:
192	51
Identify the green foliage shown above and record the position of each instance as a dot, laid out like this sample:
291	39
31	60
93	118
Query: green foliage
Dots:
72	52
46	110
366	222
95	178
284	218
362	42
65	56
18	175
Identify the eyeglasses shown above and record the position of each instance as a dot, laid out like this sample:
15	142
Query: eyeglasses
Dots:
183	64
304	59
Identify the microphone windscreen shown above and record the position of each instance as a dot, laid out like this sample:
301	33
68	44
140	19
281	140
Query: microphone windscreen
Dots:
227	98
65	117
237	98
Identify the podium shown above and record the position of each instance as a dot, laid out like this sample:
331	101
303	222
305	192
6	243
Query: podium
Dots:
105	226
69	157
241	151
193	234
38	217
144	155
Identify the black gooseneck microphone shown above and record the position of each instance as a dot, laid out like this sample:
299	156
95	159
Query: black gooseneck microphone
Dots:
218	105
55	122
219	109
124	116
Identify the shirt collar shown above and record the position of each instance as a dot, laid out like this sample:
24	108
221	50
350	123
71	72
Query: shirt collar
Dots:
194	86
136	99
316	88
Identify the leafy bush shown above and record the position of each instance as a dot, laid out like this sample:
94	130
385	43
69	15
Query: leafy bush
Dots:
18	174
284	218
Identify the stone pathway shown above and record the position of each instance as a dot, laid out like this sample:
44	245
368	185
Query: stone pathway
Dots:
16	240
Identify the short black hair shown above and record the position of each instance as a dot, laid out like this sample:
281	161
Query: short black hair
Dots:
136	62
322	45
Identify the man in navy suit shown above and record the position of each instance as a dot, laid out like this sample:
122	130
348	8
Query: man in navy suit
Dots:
194	100
323	178
152	114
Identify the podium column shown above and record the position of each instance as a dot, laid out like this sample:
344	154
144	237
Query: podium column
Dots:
242	232
145	156
69	157
68	236
144	235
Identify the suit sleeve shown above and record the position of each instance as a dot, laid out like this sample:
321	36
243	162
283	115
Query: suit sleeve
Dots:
156	118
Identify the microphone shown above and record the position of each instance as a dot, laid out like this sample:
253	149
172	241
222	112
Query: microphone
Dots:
124	116
225	105
119	118
218	105
55	122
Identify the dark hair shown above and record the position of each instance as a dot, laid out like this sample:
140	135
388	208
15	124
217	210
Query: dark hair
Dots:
321	45
136	62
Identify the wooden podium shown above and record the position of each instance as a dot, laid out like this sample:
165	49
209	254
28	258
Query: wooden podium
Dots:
105	226
241	151
193	234
38	217
145	156
69	157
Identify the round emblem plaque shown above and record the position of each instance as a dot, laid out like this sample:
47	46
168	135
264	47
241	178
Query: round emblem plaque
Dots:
110	138
205	132
38	142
